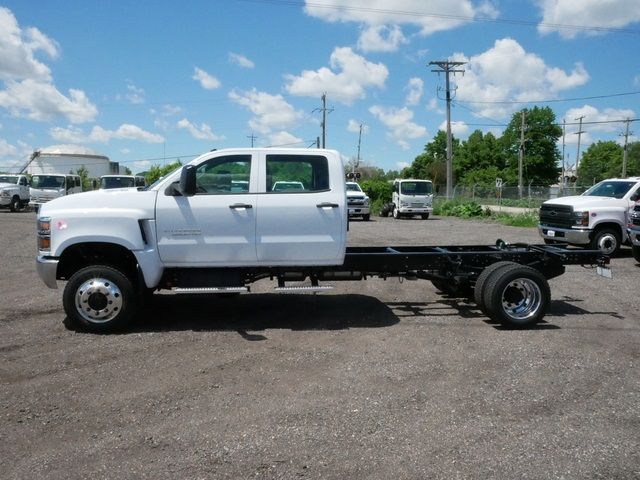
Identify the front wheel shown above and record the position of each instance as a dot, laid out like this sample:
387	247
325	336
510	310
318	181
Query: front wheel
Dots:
396	213
99	299
14	206
606	240
636	252
425	216
366	217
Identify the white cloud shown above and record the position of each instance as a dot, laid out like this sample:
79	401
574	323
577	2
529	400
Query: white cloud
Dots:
207	81
271	112
134	95
18	49
202	132
41	101
354	126
428	16
507	73
6	149
399	123
284	139
381	38
609	120
98	134
458	129
414	89
350	74
29	91
240	60
557	15
141	166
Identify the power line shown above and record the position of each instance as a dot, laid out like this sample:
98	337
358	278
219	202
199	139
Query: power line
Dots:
467	18
557	100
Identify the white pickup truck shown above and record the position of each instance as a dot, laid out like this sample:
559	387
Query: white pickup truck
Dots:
14	191
596	219
193	232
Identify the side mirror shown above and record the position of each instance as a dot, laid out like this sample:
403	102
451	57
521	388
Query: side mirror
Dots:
188	181
634	197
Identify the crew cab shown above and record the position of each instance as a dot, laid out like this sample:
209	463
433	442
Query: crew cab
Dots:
358	202
14	191
596	219
197	230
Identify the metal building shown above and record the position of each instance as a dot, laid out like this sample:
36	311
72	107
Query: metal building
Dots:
68	159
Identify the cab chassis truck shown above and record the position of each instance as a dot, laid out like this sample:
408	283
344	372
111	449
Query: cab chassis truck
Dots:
190	233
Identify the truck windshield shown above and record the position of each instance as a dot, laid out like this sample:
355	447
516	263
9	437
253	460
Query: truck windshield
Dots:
117	182
353	187
610	189
416	188
8	179
47	181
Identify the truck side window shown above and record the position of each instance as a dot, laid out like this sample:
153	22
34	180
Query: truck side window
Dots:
220	175
297	173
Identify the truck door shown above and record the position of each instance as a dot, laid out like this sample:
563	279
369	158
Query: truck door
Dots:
216	226
306	223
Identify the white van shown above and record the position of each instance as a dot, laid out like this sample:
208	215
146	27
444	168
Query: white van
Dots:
412	197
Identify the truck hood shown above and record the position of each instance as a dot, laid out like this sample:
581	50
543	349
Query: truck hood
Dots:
8	185
120	202
582	201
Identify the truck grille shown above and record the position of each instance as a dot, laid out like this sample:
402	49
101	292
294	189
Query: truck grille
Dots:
556	215
635	216
355	201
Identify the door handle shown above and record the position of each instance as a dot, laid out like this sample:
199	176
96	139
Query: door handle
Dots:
327	205
240	205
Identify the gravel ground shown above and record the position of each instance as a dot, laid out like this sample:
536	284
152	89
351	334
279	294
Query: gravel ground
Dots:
373	380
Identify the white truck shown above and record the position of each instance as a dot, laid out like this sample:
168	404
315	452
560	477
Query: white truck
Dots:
46	187
121	181
14	191
597	219
358	202
191	233
410	197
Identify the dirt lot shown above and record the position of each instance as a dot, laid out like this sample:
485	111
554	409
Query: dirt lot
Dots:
377	379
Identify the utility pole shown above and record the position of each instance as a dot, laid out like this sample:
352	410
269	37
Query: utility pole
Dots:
358	157
564	125
252	137
324	111
579	133
521	156
624	151
447	68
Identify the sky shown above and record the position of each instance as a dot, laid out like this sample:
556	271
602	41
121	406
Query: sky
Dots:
151	82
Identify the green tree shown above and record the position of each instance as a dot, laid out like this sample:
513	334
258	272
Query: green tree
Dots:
83	173
633	159
541	155
157	171
432	164
480	159
601	160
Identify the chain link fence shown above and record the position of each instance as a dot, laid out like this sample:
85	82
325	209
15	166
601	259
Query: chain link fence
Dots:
531	196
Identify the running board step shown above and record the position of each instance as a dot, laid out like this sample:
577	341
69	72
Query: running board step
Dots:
304	288
212	290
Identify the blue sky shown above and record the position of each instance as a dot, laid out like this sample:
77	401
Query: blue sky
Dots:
148	82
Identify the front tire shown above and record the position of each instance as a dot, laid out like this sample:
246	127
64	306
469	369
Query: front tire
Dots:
636	252
396	213
366	217
99	299
425	216
606	240
14	206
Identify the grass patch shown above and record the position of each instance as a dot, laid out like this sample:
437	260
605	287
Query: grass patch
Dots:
473	210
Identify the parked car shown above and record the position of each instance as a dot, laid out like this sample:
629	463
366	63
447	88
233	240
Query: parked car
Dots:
357	201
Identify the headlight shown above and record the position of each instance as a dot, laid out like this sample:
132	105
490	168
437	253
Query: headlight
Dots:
581	219
44	234
404	204
366	200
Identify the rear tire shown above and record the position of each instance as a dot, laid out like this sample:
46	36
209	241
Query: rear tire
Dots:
517	296
606	240
636	252
481	282
99	299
